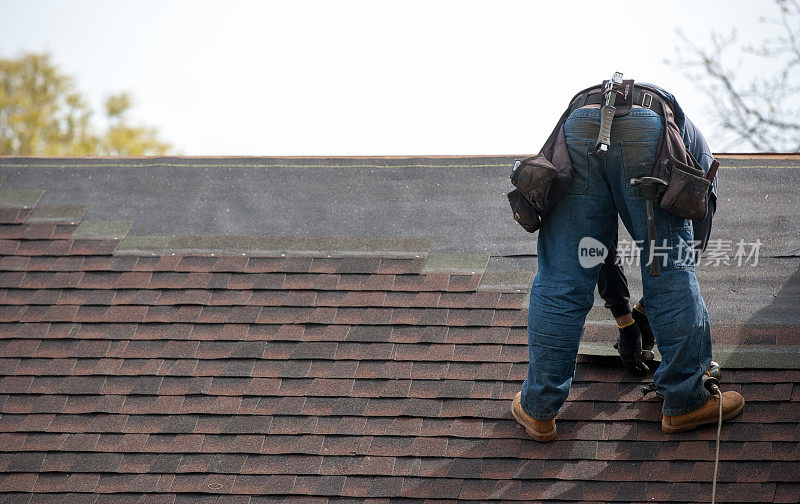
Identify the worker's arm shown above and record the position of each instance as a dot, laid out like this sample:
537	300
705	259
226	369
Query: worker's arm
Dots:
696	144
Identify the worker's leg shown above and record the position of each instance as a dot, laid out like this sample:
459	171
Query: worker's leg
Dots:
701	231
563	290
675	308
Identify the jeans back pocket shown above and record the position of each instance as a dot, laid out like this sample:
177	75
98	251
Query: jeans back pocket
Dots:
637	160
579	157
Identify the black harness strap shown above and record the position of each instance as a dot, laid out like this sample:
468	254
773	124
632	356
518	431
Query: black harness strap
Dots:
640	97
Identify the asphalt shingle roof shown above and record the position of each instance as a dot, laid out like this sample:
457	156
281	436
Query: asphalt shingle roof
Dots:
311	370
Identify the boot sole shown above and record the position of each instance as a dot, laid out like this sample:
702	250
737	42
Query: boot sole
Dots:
672	429
532	433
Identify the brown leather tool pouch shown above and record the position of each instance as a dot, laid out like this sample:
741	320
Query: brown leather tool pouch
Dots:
687	191
524	213
539	184
533	177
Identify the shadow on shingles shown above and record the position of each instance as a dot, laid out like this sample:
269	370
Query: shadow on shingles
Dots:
783	308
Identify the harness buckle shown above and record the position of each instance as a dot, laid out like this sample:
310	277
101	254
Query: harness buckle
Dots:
647	100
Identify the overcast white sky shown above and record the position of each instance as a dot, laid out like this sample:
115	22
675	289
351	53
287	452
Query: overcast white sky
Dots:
373	77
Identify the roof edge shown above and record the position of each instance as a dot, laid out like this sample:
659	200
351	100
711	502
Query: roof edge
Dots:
721	155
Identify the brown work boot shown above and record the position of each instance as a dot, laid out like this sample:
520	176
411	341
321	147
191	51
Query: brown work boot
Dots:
540	430
732	404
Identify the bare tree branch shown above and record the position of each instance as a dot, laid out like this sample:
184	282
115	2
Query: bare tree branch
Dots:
762	114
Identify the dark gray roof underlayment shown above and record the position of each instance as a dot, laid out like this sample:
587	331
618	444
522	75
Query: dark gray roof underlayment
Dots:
450	210
352	331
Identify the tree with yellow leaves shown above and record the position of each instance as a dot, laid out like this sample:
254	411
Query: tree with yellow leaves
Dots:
41	114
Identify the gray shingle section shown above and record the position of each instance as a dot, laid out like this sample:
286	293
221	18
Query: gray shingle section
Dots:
460	202
59	214
507	281
102	230
752	356
604	350
468	264
767	293
143	245
270	246
728	356
20	198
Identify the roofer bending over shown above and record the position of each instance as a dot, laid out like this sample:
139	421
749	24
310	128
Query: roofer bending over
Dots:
628	159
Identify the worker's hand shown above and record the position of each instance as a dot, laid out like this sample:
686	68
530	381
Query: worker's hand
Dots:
629	346
648	339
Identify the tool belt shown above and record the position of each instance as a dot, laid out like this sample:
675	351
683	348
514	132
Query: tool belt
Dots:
676	182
